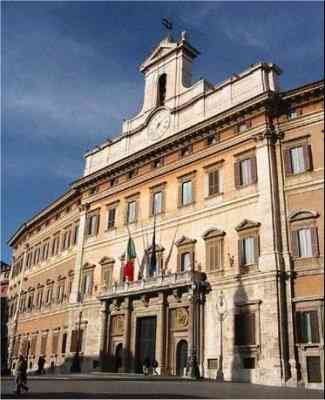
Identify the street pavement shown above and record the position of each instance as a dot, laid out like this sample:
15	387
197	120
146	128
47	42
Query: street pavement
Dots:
135	387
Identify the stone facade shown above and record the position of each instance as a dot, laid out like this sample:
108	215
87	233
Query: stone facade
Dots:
239	170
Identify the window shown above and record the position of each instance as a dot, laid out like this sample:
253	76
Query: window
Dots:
213	177
87	283
243	126
49	294
186	262
248	250
55	342
60	292
162	90
245	172
294	113
66	239
314	373
75	234
187	193
43	344
56	244
307	326
213	138
132	173
249	363
245	330
92	224
111	218
39	299
297	159
131	212
64	343
107	276
214	255
185	151
45	250
305	242
157	203
30	301
158	163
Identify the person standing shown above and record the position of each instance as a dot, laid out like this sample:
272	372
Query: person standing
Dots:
41	362
21	375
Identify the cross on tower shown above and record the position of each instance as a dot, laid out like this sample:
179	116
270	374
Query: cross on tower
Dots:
168	25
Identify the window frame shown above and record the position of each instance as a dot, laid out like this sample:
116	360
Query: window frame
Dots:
183	180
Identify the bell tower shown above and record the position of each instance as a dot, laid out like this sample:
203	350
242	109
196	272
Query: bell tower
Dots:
167	72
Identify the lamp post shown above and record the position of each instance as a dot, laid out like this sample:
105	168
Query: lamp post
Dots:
222	312
75	366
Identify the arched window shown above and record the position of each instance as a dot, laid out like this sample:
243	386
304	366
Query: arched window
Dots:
162	90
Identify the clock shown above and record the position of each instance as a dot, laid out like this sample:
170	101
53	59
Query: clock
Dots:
158	125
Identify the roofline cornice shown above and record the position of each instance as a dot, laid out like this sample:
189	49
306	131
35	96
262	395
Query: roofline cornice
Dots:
44	212
160	146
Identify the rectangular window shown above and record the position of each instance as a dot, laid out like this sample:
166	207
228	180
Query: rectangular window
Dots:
107	276
186	262
43	344
214	255
87	283
249	363
307	326
213	182
75	234
92	224
157	203
245	334
55	342
245	172
248	251
187	193
297	160
56	244
314	369
131	212
111	218
305	243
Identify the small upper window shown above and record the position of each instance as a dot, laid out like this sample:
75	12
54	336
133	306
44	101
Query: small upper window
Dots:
162	90
298	159
294	113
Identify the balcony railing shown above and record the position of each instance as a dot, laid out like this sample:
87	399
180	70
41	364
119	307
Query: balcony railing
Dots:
148	284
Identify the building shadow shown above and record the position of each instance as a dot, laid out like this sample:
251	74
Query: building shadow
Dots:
242	364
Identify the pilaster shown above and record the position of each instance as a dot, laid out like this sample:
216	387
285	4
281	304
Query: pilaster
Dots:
74	296
126	335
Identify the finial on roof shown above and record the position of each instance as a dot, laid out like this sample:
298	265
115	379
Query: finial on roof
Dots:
185	35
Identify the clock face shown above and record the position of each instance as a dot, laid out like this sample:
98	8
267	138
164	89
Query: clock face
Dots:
158	125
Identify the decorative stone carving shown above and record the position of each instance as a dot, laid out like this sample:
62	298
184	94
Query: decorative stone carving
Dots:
247	224
117	325
180	318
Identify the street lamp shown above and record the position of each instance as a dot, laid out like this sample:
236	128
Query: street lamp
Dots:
222	312
75	366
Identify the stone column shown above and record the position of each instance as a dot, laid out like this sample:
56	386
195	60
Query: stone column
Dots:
201	337
126	336
74	296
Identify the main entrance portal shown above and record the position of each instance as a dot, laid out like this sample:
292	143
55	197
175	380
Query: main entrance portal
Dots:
145	341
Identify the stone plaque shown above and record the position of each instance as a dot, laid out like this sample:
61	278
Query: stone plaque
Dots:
180	318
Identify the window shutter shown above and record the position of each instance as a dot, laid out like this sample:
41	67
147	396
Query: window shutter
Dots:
256	249
252	328
294	244
314	241
43	344
307	157
213	182
314	326
236	128
73	345
238	330
254	169
96	224
248	123
240	252
287	162
91	277
33	344
237	174
212	260
55	342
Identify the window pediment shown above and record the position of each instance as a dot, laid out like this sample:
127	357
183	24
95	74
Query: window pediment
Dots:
107	260
298	215
159	248
88	266
247	224
213	233
185	241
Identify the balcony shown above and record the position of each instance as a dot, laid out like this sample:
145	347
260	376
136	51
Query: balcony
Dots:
152	284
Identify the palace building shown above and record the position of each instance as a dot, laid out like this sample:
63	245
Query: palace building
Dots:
193	238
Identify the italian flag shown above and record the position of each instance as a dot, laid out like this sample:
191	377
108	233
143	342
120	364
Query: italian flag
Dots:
131	256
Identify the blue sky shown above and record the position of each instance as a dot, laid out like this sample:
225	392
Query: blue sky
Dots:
69	76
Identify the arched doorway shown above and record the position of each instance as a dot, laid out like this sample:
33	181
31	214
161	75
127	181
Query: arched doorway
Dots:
181	357
118	357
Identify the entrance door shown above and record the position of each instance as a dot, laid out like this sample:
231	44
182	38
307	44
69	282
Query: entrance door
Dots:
118	357
181	357
146	341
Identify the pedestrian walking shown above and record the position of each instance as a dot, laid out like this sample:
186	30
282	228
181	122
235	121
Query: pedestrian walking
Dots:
21	375
41	363
154	367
